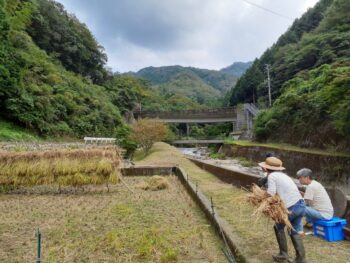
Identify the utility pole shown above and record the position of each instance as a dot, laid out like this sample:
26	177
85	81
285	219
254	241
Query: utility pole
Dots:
268	82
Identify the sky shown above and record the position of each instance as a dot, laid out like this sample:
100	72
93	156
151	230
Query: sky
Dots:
208	34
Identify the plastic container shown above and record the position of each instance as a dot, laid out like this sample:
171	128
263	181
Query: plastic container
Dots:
330	230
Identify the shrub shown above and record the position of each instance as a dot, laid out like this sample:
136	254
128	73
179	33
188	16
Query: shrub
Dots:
146	132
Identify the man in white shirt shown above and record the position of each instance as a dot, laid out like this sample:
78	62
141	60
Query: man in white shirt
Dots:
319	205
281	184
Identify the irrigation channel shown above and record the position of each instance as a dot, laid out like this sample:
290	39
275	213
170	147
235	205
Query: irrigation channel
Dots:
245	165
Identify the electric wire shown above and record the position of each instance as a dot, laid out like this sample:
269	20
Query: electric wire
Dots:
267	10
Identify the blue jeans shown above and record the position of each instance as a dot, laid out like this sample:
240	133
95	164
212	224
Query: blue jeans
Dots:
297	211
312	214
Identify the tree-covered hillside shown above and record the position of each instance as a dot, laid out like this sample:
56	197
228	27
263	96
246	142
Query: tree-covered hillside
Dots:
189	85
51	90
204	87
237	69
64	37
310	79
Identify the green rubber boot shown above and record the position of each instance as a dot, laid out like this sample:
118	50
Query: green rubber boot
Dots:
282	256
299	249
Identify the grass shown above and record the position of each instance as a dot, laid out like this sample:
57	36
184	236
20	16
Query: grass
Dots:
254	235
245	162
220	156
147	226
288	147
11	132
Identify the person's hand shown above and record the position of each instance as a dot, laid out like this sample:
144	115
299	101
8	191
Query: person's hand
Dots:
267	194
302	193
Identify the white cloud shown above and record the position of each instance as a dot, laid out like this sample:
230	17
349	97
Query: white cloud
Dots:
201	33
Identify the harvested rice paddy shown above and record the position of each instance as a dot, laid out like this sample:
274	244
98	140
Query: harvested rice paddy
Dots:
116	226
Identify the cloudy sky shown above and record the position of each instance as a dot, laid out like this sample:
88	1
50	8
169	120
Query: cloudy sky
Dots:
201	33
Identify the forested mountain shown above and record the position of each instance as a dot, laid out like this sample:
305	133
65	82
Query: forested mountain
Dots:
51	89
64	37
53	79
310	79
204	87
237	69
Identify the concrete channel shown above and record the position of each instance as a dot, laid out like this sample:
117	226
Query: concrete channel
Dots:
207	206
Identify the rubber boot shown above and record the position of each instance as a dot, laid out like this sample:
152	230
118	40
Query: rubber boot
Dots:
299	249
282	244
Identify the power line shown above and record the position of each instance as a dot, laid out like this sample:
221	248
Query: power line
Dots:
268	10
268	67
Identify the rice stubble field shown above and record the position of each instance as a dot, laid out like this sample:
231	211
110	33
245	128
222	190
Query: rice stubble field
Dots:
101	226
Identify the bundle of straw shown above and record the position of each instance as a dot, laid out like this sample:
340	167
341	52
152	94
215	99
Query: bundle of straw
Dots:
270	206
76	168
155	183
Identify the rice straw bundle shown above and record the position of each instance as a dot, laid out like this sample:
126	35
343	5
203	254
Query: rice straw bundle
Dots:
61	167
155	183
270	206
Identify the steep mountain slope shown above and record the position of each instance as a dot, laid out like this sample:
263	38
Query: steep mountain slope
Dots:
50	91
310	71
237	69
252	84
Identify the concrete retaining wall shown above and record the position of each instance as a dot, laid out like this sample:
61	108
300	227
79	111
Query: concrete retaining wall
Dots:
236	178
326	168
209	209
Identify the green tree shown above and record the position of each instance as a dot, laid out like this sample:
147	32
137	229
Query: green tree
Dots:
64	37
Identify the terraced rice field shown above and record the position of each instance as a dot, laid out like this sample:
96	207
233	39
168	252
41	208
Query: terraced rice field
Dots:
97	226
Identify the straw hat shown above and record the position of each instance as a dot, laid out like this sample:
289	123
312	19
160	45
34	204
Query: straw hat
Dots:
272	163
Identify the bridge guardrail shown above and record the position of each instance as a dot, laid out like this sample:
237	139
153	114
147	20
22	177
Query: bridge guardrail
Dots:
208	113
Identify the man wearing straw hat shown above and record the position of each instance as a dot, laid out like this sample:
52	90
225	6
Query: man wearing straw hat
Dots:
281	184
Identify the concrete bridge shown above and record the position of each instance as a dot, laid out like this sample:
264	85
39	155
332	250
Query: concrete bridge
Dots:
192	116
240	116
197	142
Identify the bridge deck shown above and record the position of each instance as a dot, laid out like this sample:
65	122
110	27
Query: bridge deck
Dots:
224	114
216	141
199	120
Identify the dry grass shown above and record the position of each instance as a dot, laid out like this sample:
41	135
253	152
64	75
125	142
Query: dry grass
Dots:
256	237
155	183
148	226
60	167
